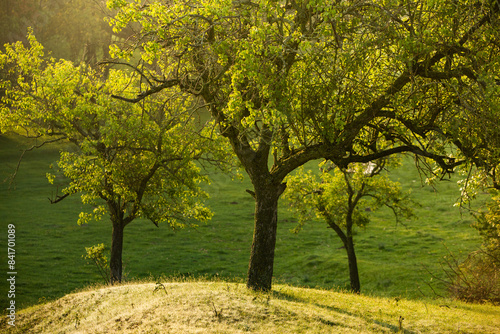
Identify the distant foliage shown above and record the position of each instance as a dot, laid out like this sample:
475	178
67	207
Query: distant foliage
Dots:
488	224
75	30
477	279
342	196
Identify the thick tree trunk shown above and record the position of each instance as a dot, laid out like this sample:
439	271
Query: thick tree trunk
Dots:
353	266
115	261
260	268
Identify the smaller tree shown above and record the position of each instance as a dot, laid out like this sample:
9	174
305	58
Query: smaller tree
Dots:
99	259
129	160
343	198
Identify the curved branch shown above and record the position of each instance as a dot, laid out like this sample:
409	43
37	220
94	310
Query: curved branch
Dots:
151	91
131	66
58	198
447	166
16	170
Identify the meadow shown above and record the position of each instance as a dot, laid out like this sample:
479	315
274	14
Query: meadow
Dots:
395	260
221	307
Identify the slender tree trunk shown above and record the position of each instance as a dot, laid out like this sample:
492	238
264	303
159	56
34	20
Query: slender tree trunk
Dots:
348	242
260	268
115	261
353	265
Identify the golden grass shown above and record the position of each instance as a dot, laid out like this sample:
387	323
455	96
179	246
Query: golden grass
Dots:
218	307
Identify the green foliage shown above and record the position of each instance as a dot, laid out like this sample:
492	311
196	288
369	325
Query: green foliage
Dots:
130	160
346	81
99	259
345	197
488	224
299	68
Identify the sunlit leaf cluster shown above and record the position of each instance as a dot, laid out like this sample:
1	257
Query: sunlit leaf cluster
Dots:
129	160
345	198
357	77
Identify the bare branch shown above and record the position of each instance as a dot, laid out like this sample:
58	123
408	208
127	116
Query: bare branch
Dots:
151	91
58	198
16	170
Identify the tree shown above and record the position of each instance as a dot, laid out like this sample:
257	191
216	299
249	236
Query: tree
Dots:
292	81
129	161
341	199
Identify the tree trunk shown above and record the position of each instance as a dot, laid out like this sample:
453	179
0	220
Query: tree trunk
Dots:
115	261
353	266
260	268
348	242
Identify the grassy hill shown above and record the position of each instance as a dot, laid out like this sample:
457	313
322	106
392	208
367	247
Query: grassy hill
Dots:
218	307
394	259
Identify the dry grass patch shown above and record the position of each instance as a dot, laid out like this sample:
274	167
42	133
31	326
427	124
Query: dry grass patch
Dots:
218	307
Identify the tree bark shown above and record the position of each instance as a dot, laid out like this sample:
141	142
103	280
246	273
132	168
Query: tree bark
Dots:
353	266
115	261
260	268
348	242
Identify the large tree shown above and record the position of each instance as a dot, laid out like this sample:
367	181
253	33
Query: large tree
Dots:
295	80
128	161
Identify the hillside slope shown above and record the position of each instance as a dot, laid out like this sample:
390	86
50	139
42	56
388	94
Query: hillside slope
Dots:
218	307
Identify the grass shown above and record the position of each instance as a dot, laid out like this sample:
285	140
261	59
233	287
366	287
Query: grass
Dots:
220	307
394	259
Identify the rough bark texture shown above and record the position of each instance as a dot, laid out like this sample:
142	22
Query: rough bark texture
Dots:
115	262
260	268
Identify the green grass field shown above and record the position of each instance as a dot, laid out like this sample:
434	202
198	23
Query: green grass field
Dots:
393	259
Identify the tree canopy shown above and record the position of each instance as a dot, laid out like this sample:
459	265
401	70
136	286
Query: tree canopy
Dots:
344	199
129	160
348	81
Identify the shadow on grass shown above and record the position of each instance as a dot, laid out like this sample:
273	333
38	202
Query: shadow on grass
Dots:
292	298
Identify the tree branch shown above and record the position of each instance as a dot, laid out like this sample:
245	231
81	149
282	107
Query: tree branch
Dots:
151	91
16	170
58	198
